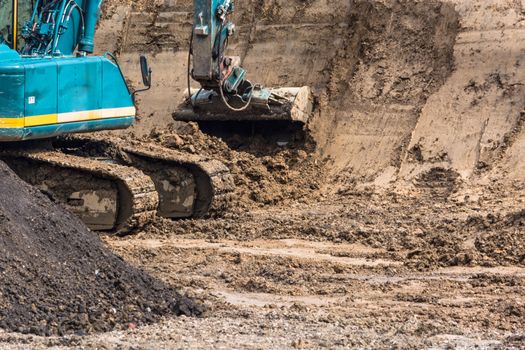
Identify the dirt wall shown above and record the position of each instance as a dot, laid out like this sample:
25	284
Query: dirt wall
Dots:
472	125
406	89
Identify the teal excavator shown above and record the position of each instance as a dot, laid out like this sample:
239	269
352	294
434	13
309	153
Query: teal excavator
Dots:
51	85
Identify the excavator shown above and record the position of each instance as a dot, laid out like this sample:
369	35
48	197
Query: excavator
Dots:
52	86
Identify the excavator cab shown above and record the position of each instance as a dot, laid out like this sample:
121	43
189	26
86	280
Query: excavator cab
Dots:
49	83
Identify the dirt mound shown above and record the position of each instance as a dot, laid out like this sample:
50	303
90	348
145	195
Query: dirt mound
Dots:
58	277
503	237
264	172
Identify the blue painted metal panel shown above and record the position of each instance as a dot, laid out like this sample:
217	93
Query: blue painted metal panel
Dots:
41	87
11	94
79	84
12	84
114	89
6	54
46	88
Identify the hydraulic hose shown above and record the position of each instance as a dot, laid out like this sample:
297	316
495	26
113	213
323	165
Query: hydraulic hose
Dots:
221	81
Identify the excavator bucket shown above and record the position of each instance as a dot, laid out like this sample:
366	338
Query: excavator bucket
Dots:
280	104
226	94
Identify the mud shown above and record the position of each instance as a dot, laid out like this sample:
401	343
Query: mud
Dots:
424	233
394	221
264	173
58	278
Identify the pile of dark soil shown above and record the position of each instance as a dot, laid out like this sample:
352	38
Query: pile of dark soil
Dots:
58	277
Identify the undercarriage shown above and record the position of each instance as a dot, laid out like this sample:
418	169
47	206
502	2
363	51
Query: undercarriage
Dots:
121	187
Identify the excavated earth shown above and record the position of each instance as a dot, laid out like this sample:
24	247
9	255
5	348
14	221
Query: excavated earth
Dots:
396	220
58	278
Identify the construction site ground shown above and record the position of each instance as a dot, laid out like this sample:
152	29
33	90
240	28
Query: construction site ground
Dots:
346	272
396	220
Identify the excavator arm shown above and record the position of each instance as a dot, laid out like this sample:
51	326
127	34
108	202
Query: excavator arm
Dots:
59	27
49	27
225	92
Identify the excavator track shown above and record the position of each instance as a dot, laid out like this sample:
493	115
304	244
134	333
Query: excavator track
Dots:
106	196
189	186
213	181
120	186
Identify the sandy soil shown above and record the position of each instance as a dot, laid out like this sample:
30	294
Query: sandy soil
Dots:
397	222
352	274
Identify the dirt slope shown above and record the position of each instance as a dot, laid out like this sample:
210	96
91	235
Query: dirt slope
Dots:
473	122
58	277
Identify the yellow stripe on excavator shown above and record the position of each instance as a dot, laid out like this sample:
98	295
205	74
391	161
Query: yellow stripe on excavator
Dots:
40	120
50	119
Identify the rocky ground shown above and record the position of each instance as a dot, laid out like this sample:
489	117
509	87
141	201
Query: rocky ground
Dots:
348	272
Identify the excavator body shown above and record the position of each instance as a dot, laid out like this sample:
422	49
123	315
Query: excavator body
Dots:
47	97
225	93
47	89
51	86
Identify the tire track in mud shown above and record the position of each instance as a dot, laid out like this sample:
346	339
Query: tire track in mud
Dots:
391	297
286	248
